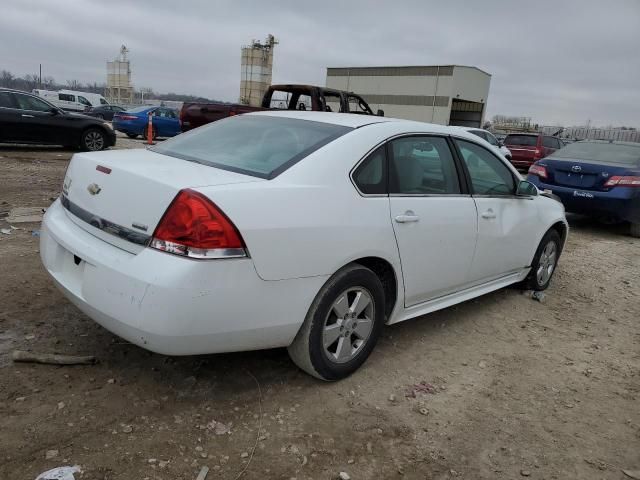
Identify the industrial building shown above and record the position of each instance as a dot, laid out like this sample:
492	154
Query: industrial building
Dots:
444	94
119	89
256	66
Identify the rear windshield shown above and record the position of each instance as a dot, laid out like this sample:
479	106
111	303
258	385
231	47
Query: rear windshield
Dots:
525	140
601	153
262	146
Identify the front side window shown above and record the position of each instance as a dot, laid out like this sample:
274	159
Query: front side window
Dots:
422	165
84	101
6	100
371	177
257	145
25	102
103	102
491	139
489	176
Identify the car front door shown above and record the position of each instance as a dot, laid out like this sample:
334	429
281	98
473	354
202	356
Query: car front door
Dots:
433	217
507	224
39	122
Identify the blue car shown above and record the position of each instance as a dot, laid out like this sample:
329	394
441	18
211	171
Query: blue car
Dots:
134	122
597	178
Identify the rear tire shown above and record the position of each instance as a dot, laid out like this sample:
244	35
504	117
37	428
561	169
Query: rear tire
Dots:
93	140
634	230
544	262
342	325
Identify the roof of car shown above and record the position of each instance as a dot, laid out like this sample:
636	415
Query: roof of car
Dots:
353	120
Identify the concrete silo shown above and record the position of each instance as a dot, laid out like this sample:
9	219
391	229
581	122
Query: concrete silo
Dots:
255	72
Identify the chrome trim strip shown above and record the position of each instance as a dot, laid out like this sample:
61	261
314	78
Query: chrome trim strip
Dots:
105	225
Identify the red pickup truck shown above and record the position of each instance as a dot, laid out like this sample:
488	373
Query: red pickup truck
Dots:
278	97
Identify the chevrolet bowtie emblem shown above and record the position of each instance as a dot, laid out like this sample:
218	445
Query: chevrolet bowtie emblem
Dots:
94	189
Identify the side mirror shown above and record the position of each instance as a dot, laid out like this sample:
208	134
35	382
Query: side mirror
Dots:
526	189
380	113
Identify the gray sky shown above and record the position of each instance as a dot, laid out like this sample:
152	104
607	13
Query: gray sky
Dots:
556	61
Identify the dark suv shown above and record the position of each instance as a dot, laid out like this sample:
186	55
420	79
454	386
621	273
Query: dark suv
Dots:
27	118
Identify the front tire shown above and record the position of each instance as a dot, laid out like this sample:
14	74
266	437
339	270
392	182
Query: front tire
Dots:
544	262
342	326
93	140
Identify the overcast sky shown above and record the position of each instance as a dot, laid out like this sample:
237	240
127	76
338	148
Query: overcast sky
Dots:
556	61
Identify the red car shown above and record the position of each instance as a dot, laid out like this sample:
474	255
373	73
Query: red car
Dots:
528	148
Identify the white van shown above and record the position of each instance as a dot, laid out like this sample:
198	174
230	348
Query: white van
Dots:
72	101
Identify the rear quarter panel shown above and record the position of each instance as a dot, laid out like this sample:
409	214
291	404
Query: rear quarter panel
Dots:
311	220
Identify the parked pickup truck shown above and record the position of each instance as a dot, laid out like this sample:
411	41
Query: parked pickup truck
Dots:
278	97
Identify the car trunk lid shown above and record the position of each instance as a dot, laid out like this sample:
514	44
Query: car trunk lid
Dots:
120	196
580	174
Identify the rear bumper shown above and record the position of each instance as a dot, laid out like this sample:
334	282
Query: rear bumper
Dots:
168	304
620	203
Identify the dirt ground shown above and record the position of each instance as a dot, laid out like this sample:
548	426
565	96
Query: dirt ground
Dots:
545	390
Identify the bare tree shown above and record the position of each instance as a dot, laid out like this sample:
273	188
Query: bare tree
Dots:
31	81
48	83
74	84
7	79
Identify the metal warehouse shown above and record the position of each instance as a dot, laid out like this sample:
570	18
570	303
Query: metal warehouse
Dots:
444	94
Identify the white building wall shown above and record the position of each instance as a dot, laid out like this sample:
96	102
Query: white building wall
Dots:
413	93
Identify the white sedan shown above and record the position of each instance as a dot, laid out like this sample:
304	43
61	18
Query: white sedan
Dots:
497	145
294	229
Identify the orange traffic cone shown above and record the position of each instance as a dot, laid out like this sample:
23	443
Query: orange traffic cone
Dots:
150	130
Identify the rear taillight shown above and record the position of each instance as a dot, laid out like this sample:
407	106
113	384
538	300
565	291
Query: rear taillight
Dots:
193	226
623	181
538	170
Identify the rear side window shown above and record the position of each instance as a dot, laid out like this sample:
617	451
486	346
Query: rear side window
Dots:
261	146
524	140
66	97
371	177
422	165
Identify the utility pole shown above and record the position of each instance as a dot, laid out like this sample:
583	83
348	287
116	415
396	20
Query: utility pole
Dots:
40	81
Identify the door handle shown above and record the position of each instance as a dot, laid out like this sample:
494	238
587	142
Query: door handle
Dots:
408	217
27	116
488	214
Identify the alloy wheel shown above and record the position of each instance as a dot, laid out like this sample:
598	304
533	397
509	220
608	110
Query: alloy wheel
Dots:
94	141
547	263
348	325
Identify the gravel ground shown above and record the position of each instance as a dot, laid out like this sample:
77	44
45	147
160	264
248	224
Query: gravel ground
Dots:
513	387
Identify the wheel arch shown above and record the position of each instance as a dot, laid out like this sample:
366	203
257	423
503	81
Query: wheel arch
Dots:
387	276
91	126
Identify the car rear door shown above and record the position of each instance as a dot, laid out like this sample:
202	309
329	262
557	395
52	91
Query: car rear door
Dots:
507	224
434	219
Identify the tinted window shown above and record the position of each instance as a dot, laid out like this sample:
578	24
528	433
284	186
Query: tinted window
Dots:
5	100
524	140
628	154
370	176
478	133
103	102
262	146
66	97
139	109
422	165
550	142
489	176
26	102
84	101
